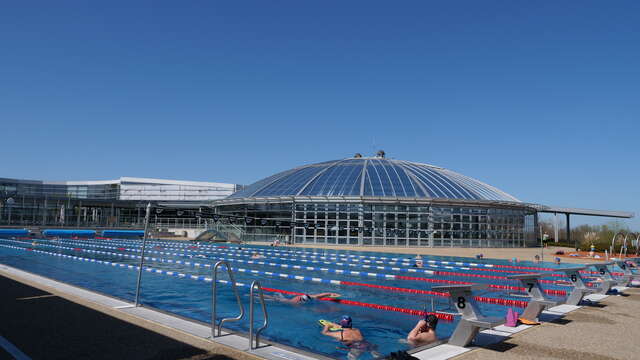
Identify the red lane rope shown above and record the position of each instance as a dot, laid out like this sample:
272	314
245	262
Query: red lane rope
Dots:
451	273
504	271
446	317
493	286
431	280
489	300
506	302
547	269
519	288
393	288
524	267
597	273
498	277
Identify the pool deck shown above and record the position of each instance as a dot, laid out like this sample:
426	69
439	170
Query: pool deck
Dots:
42	325
604	331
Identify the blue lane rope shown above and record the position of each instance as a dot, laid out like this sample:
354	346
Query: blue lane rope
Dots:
363	266
171	244
404	262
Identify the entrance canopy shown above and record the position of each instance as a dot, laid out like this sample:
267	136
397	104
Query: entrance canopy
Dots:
574	211
589	212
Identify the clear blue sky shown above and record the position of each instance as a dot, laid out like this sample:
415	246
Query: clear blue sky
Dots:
540	99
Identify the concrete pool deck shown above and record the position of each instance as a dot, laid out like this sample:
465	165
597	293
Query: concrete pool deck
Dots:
605	331
38	324
524	254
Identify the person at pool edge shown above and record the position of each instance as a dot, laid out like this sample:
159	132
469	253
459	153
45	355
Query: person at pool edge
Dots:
300	299
424	332
351	338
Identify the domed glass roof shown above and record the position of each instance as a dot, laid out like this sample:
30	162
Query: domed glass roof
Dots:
378	177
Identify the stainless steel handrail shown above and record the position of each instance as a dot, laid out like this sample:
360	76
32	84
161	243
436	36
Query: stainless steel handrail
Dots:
214	298
144	243
255	284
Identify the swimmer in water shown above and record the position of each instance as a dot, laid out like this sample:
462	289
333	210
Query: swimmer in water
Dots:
255	255
419	263
424	332
351	338
300	299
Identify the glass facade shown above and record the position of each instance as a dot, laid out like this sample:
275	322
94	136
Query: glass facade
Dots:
368	224
377	177
111	203
378	201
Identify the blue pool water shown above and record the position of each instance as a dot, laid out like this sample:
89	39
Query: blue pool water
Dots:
185	290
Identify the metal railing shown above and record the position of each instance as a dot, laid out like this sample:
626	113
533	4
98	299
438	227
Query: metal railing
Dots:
613	242
144	244
182	223
632	242
230	229
214	297
255	284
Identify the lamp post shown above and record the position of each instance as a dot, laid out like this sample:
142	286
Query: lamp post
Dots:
10	203
543	238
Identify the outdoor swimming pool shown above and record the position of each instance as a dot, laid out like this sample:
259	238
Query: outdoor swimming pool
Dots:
383	293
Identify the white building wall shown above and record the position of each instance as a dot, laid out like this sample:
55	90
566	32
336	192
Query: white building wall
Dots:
172	190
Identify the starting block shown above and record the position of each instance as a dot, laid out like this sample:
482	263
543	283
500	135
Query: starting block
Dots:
539	300
579	287
607	279
625	279
472	320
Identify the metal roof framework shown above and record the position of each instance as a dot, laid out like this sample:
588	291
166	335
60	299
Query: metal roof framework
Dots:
365	200
587	212
373	176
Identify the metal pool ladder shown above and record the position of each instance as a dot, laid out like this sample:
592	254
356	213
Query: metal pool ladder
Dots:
214	298
256	284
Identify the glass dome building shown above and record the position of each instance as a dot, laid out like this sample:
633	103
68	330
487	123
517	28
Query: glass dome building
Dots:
381	201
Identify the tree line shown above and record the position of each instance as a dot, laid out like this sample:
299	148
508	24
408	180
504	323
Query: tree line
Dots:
598	235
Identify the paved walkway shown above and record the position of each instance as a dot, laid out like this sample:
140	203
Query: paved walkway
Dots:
44	326
606	331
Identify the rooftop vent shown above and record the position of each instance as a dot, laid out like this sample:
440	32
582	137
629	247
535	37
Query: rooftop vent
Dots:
380	154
